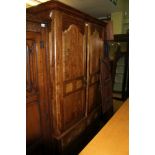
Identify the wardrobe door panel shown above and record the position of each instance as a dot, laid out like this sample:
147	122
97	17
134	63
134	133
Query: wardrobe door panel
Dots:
73	108
74	70
73	50
95	49
93	97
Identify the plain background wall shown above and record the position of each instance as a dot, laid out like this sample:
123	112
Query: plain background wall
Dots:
120	17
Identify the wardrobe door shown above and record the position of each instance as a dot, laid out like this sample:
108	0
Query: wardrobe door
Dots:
33	116
95	49
74	70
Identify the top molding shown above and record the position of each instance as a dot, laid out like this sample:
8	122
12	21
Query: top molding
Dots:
55	5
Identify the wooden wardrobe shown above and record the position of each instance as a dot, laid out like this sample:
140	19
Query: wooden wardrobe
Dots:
63	49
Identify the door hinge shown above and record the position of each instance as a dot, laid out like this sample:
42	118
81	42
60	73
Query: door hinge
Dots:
41	44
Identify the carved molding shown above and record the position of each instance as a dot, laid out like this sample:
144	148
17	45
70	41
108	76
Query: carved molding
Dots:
68	21
98	29
34	27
